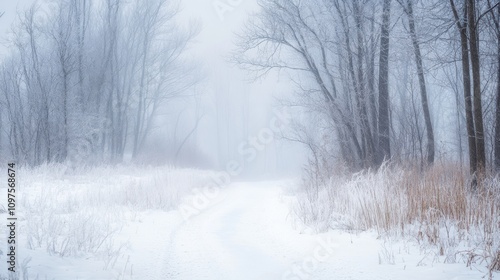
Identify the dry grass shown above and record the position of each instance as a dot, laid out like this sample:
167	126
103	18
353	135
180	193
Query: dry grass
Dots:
436	208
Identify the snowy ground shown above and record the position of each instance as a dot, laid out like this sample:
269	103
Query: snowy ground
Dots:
246	232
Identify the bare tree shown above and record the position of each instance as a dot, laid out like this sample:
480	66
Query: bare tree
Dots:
408	8
61	34
383	86
294	36
68	110
295	29
461	23
494	11
476	75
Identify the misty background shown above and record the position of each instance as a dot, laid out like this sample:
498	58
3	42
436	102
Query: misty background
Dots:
196	83
238	139
222	107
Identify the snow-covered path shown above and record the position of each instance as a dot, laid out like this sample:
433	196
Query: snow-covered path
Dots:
247	234
240	237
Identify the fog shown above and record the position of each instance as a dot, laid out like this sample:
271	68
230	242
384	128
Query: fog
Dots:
224	106
236	104
249	139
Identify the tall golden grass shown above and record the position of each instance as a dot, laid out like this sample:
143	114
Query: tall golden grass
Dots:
436	207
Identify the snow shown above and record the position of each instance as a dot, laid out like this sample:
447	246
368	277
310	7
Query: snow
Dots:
246	232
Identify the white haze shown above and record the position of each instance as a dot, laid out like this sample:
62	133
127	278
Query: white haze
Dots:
232	107
218	190
245	105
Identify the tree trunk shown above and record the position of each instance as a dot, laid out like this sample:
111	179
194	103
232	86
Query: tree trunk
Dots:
64	154
497	115
361	96
477	109
372	94
383	87
81	14
469	117
423	90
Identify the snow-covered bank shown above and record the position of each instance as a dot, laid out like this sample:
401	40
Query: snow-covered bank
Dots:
435	210
75	224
